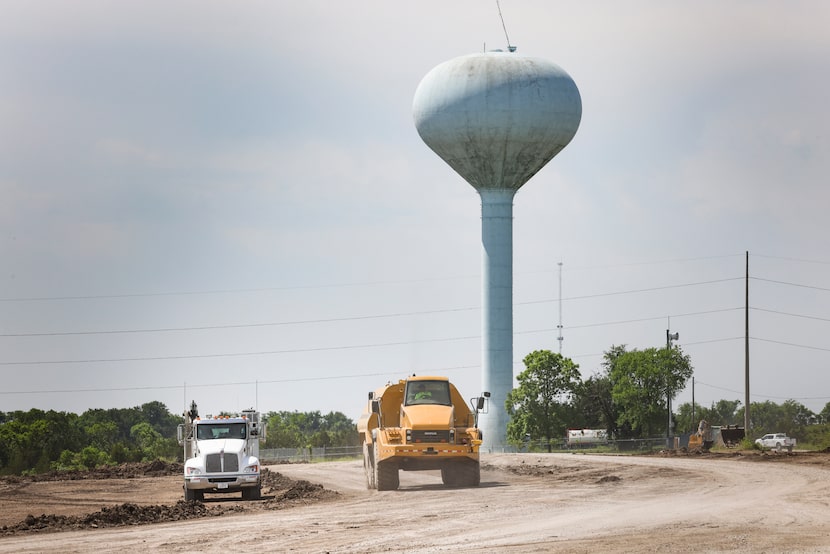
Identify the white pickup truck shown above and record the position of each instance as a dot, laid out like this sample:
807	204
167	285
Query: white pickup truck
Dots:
777	441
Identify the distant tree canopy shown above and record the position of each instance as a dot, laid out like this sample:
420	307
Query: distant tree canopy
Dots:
540	407
642	381
304	429
628	399
37	441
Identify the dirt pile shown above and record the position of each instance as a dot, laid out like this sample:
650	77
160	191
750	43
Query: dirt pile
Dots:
117	516
133	470
278	492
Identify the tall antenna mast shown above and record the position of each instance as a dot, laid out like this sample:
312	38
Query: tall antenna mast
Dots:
503	26
560	338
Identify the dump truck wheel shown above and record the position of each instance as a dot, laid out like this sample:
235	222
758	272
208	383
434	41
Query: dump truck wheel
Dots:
189	495
386	475
449	476
470	474
369	467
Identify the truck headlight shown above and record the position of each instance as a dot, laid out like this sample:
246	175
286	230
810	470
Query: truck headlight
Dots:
193	471
251	469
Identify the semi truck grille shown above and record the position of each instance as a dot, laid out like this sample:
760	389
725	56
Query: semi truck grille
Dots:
431	436
213	463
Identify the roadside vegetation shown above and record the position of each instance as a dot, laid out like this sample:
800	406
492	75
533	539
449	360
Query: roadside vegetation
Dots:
628	399
37	441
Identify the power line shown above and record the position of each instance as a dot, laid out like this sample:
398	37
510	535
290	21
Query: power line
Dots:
789	284
634	291
226	384
234	354
790	314
239	325
791	344
333	285
339	319
763	395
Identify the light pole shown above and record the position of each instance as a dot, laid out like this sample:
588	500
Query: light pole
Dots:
669	338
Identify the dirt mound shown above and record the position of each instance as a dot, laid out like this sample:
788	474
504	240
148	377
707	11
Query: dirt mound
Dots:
132	470
117	516
278	491
288	491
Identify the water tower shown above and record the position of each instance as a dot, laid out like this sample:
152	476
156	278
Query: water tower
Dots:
497	118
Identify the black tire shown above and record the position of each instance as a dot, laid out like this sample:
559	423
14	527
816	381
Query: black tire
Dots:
369	467
469	474
252	493
451	476
386	474
191	495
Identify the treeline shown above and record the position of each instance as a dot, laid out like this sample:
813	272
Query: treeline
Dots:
628	399
38	441
305	429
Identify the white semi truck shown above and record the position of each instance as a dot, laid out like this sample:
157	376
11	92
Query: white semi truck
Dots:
221	454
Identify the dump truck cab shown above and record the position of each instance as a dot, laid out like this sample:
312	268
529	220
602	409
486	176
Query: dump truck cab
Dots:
421	423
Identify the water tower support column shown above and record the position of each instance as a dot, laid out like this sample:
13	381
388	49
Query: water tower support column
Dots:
497	308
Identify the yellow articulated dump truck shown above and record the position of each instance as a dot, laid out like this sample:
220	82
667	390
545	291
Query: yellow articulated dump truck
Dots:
417	424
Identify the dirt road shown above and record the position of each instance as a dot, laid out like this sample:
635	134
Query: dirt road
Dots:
526	503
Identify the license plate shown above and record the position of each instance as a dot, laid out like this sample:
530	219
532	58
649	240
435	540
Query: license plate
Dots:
222	486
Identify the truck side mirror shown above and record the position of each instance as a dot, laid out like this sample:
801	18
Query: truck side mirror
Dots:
375	406
480	403
180	433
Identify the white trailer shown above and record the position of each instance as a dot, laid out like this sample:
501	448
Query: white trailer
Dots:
586	437
221	454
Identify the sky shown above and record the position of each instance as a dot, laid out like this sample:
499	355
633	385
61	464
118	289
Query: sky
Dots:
228	202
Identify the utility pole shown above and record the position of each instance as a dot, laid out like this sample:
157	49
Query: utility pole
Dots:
669	438
693	402
746	349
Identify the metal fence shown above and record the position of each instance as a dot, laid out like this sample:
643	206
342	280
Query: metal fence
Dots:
323	454
310	454
620	445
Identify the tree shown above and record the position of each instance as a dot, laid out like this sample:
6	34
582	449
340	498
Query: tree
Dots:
303	429
538	407
790	417
642	381
592	407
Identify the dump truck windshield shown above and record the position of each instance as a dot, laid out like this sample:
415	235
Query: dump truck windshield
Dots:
209	431
428	392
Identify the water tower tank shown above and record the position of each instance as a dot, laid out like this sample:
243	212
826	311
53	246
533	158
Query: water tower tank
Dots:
497	118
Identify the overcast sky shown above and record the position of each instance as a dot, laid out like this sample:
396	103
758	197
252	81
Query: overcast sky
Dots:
228	202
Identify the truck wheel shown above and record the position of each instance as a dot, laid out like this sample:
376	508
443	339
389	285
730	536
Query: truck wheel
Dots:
386	475
191	495
253	493
369	467
448	476
778	446
469	474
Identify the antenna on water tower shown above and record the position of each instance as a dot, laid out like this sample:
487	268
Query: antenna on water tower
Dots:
503	26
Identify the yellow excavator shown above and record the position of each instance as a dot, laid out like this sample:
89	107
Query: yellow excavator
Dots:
702	440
